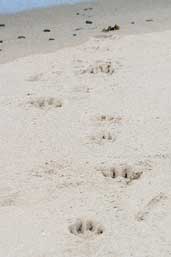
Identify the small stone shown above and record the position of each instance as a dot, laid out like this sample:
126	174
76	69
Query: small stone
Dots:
21	37
88	9
46	30
149	20
2	25
88	22
51	39
77	29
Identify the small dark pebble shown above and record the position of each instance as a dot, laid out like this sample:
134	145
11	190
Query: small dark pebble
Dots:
74	35
0	50
88	9
46	30
149	20
77	13
51	39
1	41
88	22
77	29
132	22
111	28
2	25
21	37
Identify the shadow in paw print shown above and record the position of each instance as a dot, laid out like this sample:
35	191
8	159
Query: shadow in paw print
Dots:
122	171
86	228
46	102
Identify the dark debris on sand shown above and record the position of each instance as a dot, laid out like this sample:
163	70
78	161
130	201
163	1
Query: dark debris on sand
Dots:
88	9
21	37
46	30
111	28
77	29
89	22
2	25
149	20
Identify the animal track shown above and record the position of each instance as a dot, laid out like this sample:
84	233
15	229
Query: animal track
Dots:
102	137
152	204
8	199
50	168
122	171
46	102
100	67
35	78
86	228
110	118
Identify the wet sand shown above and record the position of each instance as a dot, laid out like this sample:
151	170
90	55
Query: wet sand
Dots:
24	34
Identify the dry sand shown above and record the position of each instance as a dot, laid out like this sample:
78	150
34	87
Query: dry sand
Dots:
85	149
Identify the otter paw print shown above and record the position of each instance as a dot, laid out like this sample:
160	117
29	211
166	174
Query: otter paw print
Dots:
86	228
103	137
108	118
46	102
123	171
100	67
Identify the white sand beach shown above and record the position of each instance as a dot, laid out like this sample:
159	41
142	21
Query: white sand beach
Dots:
85	137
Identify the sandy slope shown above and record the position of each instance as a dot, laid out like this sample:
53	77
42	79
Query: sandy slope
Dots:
70	137
67	28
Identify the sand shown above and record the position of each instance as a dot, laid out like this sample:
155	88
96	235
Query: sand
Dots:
69	29
85	148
